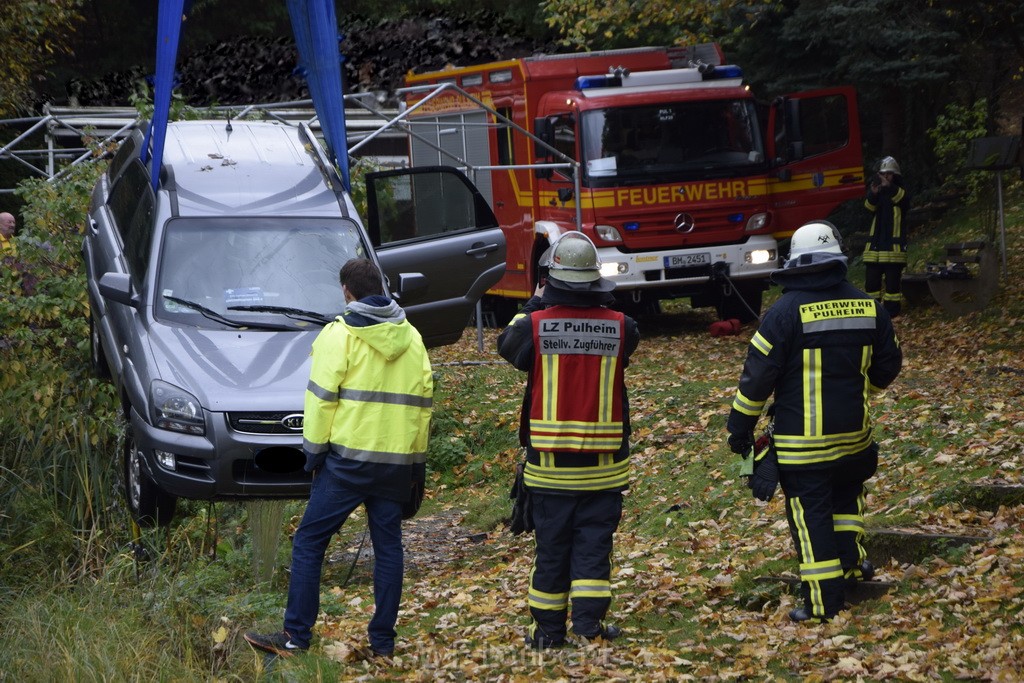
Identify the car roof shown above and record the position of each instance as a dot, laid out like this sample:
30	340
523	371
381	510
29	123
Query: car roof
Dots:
244	168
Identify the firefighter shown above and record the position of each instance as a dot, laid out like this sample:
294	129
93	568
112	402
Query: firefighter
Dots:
821	350
885	255
575	428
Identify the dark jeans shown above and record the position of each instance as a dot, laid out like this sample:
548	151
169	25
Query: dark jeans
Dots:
330	504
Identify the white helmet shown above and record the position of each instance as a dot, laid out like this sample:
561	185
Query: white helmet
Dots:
573	263
817	244
889	165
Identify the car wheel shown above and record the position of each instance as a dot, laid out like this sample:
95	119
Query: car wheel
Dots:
99	361
148	505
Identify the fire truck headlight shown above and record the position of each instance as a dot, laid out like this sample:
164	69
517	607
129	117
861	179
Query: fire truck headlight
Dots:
759	256
607	233
611	268
756	222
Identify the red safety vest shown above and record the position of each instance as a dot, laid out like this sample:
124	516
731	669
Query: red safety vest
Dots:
578	386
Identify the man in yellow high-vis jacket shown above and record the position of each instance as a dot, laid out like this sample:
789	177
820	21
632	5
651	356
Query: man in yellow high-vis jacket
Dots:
366	423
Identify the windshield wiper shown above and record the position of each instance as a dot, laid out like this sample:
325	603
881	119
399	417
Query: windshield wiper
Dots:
310	316
217	317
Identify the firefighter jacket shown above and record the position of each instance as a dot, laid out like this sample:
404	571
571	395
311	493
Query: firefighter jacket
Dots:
821	349
887	241
368	403
575	415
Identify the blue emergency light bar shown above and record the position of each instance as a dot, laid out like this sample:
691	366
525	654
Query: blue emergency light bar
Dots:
659	78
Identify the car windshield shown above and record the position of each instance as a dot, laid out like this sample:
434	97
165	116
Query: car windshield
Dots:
671	142
266	271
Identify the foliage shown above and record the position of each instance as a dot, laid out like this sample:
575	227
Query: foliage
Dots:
32	33
602	24
952	133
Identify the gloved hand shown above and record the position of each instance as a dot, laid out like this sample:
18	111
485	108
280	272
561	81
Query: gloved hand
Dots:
740	444
765	477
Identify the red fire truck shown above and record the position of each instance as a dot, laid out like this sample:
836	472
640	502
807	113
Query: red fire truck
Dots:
680	177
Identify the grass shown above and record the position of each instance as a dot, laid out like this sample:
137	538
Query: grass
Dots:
76	605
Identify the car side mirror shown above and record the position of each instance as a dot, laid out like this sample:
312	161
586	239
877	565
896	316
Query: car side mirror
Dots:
409	284
118	288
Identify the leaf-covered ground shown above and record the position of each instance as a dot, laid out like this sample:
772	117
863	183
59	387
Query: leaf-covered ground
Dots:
692	540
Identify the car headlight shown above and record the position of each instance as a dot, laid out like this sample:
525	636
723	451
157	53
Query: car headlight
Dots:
176	410
607	233
756	222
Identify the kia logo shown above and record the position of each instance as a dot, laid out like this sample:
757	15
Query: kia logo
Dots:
292	422
684	222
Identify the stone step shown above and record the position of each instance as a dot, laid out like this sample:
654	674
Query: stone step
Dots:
865	590
884	545
990	496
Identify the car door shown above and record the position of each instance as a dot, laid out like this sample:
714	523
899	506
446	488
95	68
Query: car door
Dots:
814	142
438	243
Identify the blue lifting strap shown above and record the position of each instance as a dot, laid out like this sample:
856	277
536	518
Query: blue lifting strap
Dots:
316	37
169	19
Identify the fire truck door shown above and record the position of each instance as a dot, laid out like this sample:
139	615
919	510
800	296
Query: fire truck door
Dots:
814	144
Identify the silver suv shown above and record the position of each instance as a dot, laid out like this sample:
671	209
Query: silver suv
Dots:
207	288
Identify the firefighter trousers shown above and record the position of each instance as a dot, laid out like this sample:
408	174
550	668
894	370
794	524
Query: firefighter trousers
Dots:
573	561
825	510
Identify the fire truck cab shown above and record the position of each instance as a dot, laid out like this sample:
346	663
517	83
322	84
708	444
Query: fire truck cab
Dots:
681	178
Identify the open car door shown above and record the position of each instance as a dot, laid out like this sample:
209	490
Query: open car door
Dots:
814	145
438	243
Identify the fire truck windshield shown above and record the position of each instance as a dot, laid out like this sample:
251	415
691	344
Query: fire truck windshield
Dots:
671	142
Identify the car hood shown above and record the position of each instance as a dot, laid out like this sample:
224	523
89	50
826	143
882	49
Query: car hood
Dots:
236	369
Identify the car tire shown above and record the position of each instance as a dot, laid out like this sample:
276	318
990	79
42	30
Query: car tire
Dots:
148	505
98	361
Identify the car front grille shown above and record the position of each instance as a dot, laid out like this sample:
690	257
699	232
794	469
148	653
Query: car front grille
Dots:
266	423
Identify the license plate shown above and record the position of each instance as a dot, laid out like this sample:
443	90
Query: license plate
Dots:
686	260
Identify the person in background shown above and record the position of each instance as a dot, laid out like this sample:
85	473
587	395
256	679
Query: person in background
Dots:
575	428
885	255
365	429
821	350
7	227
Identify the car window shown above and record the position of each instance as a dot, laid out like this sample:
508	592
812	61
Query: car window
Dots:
128	150
125	193
139	235
220	263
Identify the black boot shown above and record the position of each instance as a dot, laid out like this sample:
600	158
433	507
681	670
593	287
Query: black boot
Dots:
802	614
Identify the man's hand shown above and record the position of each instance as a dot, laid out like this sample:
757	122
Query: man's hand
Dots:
740	444
766	477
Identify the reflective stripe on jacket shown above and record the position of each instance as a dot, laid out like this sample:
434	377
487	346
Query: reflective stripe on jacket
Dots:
368	404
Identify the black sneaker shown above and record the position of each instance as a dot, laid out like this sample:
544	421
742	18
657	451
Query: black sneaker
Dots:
381	652
606	633
802	615
279	644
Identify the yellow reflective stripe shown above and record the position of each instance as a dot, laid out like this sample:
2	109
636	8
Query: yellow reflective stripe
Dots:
801	450
760	343
585	472
567	442
549	391
803	534
854	523
591	588
607	384
865	363
549	601
746	405
820	571
568	482
812	391
606	427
